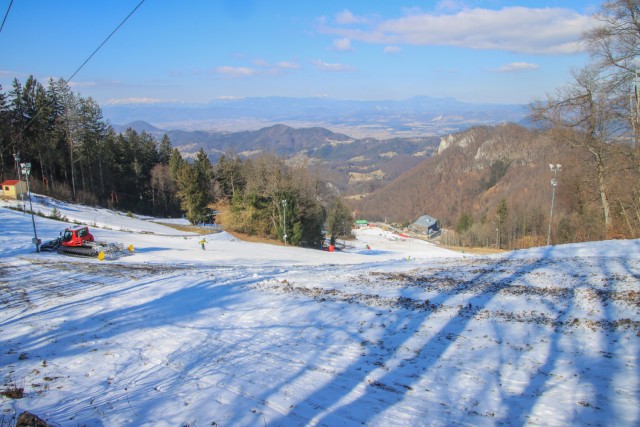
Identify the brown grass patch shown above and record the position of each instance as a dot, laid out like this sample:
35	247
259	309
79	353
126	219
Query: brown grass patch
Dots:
255	239
13	392
189	228
475	251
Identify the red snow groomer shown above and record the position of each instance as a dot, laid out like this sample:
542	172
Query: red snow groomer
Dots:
80	242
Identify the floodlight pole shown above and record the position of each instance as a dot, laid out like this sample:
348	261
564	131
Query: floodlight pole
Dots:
26	170
17	157
554	183
284	207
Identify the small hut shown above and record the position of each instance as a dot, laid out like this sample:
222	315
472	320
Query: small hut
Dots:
426	225
12	188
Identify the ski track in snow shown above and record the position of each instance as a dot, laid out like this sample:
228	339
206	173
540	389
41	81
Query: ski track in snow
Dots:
244	334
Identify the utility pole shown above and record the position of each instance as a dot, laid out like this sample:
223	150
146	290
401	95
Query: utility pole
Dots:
26	170
554	183
17	157
284	207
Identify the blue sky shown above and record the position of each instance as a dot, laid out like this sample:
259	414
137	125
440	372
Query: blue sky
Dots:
484	51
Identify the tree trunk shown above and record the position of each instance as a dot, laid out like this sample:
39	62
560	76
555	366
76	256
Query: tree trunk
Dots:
101	175
73	169
604	200
626	218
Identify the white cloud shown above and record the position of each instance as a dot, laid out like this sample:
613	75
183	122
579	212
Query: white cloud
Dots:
13	74
265	69
343	44
517	66
325	66
81	84
229	98
392	50
289	65
133	100
450	5
346	17
513	29
235	71
260	62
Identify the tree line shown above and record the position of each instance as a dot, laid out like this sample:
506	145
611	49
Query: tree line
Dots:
597	116
77	156
74	153
594	121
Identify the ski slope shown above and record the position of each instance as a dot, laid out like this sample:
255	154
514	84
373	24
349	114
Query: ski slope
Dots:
243	334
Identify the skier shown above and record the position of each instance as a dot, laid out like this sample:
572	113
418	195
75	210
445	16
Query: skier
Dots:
202	242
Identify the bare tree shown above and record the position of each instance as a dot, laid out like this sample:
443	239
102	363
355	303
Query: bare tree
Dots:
163	186
584	115
614	42
614	45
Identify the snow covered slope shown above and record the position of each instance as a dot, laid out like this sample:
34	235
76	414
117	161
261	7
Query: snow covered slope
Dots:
245	334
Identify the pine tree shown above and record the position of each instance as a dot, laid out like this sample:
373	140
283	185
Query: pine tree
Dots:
339	221
193	198
164	150
230	174
176	162
465	221
6	164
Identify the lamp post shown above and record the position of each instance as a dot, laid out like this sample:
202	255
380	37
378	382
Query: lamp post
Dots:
17	157
26	170
554	183
284	207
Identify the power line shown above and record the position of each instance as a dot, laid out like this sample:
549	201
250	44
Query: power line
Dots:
5	16
86	60
105	41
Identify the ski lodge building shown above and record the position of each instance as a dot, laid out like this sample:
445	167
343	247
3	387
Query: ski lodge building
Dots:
426	225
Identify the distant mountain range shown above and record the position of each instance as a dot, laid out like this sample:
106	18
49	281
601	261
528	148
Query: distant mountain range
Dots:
417	116
334	138
351	165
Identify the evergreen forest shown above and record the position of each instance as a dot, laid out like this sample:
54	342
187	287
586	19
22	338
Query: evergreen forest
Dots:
76	155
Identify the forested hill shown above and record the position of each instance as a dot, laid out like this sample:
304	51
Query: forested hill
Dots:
468	170
354	165
492	183
75	154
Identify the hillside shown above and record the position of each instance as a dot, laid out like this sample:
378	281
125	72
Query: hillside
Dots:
471	172
390	331
354	165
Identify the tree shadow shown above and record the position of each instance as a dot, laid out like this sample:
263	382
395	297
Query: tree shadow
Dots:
325	407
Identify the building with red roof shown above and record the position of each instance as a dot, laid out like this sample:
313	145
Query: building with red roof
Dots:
12	188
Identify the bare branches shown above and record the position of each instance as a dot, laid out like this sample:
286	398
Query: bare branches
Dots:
616	41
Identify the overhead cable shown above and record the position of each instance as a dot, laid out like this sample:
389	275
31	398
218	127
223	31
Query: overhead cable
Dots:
105	40
86	60
5	16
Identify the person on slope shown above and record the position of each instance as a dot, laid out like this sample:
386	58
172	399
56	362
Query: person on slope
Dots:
202	242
